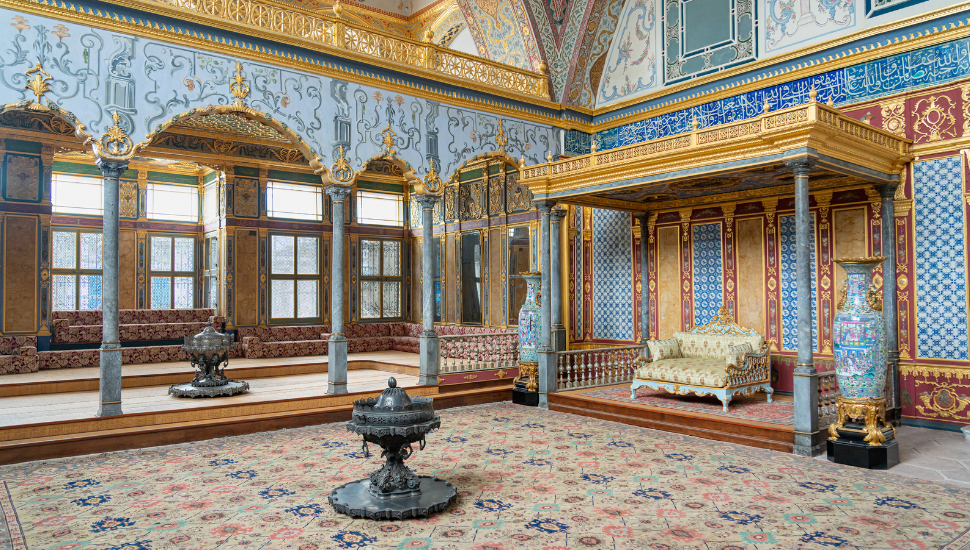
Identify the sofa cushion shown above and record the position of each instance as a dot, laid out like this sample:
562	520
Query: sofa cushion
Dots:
664	349
713	346
689	371
735	354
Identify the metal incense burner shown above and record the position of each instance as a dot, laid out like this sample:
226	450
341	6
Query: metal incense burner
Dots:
209	351
394	421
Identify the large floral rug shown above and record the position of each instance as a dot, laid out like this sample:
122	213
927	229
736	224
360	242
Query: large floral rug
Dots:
527	478
11	536
744	407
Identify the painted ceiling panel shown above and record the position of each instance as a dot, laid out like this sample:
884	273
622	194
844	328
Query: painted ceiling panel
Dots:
503	32
631	66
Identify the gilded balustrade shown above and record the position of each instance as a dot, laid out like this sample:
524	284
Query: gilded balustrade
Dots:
341	38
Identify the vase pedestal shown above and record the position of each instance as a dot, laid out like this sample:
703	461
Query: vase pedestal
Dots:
861	436
526	390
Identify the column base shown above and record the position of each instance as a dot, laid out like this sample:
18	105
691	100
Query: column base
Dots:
337	365
522	396
863	455
428	375
109	386
809	444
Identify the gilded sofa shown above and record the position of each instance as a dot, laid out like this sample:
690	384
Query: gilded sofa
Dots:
719	359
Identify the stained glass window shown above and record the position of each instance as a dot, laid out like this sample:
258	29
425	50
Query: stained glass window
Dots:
76	270
295	274
380	279
172	272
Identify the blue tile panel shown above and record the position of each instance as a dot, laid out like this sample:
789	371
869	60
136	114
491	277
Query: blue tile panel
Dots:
912	70
789	290
941	288
577	143
612	275
708	272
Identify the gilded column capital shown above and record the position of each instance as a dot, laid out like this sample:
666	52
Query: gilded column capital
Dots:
112	169
143	179
685	214
770	205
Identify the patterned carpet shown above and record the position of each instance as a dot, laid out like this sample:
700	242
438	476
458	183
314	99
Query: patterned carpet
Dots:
744	407
11	536
527	478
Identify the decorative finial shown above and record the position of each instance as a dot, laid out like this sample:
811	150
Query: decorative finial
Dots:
522	161
767	106
337	9
391	382
340	170
549	157
694	123
38	81
831	101
592	147
500	138
388	140
239	88
115	141
432	181
812	93
543	67
428	35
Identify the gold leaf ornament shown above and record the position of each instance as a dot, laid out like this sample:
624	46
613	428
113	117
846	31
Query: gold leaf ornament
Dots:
432	181
115	142
239	88
38	81
341	170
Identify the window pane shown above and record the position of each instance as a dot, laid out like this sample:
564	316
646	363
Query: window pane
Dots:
306	299
392	259
90	295
210	202
65	250
183	293
173	202
161	254
77	194
62	292
370	258
90	251
306	256
161	293
392	299
213	291
282	299
213	250
301	202
370	300
471	281
380	209
184	254
518	264
282	254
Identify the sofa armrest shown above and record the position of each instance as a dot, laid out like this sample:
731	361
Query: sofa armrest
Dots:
249	340
25	350
755	368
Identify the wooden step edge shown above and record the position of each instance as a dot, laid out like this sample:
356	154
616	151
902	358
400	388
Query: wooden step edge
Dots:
747	440
12	452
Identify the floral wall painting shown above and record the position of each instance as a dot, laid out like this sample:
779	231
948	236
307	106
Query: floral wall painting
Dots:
631	66
789	22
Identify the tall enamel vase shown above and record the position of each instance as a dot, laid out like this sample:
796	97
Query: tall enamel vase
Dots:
526	390
861	436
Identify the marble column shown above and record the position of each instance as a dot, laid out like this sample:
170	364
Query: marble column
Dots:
428	375
547	355
807	436
644	277
337	346
889	305
109	385
555	279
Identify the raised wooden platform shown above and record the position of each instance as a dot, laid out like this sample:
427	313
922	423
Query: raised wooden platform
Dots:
764	435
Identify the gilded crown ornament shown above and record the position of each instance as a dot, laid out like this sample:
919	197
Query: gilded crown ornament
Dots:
388	140
115	141
500	138
239	88
38	81
341	170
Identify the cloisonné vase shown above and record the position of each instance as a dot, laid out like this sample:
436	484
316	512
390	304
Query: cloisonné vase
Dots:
530	320
860	334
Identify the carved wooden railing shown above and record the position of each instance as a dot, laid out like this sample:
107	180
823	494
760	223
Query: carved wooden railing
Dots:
828	391
313	30
595	367
467	352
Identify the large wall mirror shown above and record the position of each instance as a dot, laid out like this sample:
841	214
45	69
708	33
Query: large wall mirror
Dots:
519	262
471	278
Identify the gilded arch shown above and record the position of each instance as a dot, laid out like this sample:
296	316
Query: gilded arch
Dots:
62	121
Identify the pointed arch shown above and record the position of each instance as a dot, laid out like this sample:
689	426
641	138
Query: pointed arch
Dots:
500	154
316	162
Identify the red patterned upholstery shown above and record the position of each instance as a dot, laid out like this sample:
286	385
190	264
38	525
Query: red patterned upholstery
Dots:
137	325
289	341
18	354
72	359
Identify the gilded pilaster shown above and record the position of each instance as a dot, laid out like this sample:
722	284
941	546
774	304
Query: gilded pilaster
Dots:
686	272
44	252
652	273
263	273
141	268
142	199
772	288
730	261
826	278
905	269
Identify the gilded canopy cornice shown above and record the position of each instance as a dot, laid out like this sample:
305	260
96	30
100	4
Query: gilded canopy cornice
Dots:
720	155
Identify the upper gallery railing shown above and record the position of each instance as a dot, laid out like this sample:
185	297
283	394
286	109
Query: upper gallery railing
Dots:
348	40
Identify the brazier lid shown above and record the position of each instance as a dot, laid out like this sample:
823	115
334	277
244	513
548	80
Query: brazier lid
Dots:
208	341
393	398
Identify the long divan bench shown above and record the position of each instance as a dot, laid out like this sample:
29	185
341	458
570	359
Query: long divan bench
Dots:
136	325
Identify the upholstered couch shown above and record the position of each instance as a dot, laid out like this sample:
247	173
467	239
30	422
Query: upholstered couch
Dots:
719	359
18	354
136	325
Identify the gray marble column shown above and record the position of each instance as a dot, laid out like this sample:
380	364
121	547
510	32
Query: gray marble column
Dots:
644	275
807	436
428	375
889	305
547	355
555	279
109	385
337	346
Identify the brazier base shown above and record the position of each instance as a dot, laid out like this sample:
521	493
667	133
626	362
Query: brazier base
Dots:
355	499
234	387
522	396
